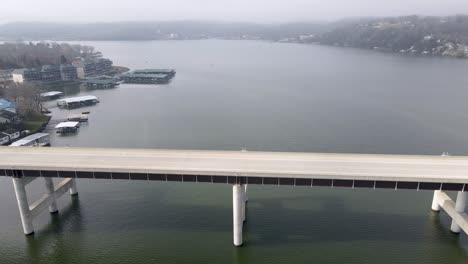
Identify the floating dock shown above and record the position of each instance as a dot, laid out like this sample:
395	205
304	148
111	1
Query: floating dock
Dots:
75	102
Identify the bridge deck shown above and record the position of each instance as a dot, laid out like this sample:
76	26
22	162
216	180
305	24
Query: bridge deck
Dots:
342	169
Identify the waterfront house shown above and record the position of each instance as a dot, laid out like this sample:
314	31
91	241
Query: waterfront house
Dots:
4	139
13	134
8	117
7	111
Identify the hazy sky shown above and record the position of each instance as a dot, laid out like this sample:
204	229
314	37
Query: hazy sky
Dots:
223	10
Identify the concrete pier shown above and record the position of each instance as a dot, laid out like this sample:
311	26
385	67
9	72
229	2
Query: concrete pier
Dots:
460	205
23	206
50	189
237	208
435	203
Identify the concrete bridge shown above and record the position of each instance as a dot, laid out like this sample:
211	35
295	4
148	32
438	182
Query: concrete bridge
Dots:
237	168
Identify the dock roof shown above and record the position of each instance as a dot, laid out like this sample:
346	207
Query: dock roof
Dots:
100	81
149	71
28	139
78	99
144	75
52	93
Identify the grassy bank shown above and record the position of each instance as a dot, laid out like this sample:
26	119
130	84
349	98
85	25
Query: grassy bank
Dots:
34	122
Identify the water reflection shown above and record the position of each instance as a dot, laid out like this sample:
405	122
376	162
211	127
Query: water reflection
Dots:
50	243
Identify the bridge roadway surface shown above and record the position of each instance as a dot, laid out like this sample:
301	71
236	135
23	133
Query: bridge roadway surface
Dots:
283	168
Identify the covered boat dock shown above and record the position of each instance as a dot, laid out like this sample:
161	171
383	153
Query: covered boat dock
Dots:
75	102
67	127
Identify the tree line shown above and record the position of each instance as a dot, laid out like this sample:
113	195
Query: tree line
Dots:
412	33
28	55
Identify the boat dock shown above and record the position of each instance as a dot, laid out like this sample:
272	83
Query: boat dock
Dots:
149	76
51	95
67	127
100	83
82	118
34	140
75	102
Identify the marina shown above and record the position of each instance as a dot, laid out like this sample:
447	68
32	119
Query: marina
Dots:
76	102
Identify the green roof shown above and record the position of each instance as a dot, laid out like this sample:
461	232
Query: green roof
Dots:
142	75
99	81
153	71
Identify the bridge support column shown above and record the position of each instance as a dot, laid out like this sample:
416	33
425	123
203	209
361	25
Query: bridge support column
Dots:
23	205
435	203
50	189
237	211
245	193
73	188
460	205
49	199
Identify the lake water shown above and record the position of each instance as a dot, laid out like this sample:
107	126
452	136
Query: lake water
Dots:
260	96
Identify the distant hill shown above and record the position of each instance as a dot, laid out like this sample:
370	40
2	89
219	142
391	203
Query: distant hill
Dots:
29	55
152	30
446	36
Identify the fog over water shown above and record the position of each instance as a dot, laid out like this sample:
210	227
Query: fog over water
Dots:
262	11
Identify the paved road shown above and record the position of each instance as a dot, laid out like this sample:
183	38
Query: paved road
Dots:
447	169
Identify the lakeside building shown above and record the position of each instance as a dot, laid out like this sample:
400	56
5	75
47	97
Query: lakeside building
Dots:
68	72
6	76
92	68
51	73
27	75
79	69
